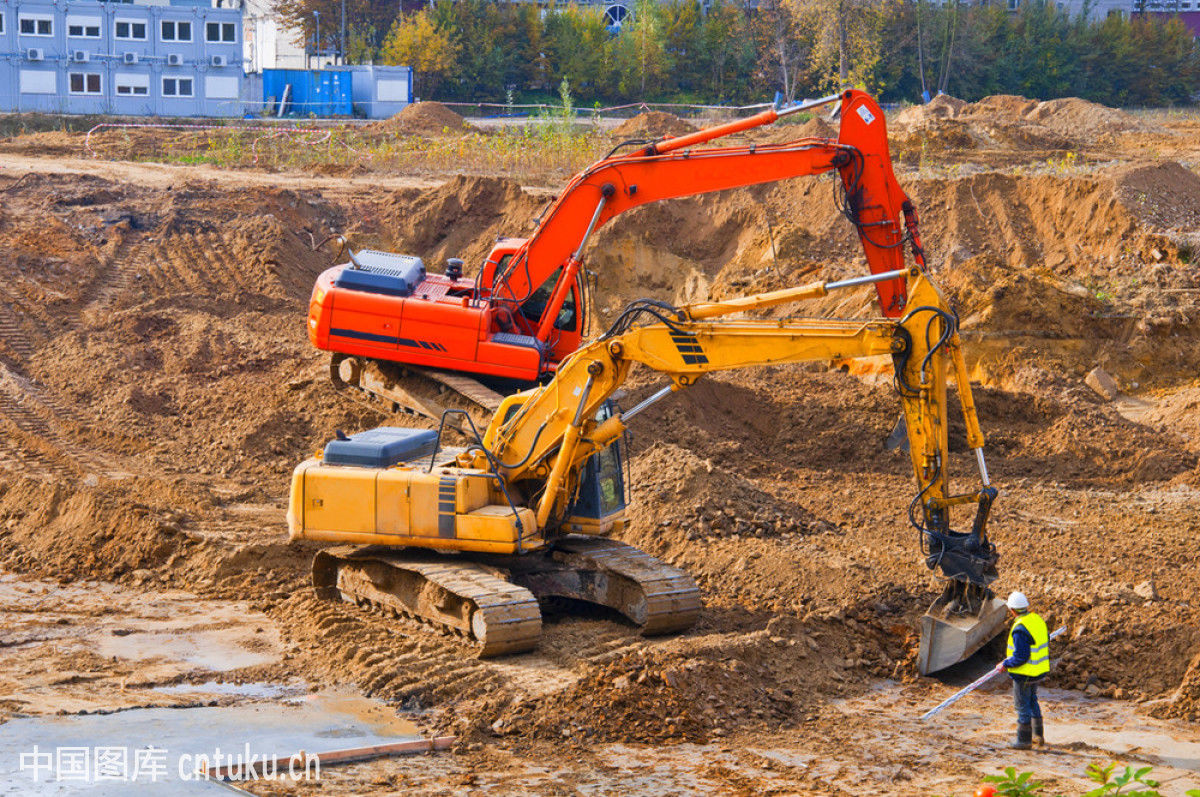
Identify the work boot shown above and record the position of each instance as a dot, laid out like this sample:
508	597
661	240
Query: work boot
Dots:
1024	738
1039	738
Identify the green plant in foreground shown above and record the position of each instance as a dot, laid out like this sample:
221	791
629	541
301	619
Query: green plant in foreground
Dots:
1116	785
1015	784
1022	784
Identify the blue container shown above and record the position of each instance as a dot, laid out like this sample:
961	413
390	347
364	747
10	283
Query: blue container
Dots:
307	92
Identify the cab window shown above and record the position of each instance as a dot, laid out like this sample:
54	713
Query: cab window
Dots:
535	305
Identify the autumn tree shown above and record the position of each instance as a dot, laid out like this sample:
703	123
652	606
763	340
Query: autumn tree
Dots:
847	38
418	42
579	48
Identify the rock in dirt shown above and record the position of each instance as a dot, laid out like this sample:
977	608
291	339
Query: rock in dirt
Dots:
1146	590
1102	383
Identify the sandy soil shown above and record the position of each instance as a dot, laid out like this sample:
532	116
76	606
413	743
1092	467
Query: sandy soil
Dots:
156	388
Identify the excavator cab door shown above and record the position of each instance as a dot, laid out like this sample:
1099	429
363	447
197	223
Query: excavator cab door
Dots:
599	508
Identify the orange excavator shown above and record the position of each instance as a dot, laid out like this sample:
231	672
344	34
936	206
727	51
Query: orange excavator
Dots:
411	337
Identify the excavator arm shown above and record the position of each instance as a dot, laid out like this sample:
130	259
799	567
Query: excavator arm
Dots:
873	199
542	438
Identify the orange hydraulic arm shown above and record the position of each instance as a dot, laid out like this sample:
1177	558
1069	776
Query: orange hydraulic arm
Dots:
874	201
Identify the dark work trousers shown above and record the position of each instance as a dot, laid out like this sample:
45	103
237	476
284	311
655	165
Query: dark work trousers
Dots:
1025	698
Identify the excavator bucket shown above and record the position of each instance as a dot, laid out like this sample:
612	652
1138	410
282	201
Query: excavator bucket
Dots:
951	633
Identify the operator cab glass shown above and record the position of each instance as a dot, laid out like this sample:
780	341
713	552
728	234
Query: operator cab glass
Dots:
535	305
600	504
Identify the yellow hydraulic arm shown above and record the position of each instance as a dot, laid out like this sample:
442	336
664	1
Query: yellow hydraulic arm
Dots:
542	438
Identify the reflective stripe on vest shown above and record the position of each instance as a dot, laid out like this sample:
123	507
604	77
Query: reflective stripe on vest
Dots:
1039	650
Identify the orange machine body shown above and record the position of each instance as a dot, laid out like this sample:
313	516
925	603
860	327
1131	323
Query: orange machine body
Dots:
526	308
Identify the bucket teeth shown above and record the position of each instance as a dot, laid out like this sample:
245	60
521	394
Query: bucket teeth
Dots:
960	622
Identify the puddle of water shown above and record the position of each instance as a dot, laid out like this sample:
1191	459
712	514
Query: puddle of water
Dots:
257	691
314	723
210	650
371	713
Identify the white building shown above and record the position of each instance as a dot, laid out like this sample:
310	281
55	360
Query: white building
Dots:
268	43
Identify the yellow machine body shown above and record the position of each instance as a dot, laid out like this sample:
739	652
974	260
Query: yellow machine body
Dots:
448	508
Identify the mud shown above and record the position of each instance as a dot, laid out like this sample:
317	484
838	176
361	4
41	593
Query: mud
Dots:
157	387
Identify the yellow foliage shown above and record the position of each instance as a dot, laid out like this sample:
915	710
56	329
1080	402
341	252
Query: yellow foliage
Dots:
416	41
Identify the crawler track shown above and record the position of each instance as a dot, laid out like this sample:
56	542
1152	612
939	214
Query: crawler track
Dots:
491	602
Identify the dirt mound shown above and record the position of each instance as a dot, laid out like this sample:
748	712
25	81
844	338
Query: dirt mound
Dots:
817	127
682	497
424	118
943	106
461	218
1074	117
653	124
1185	702
1005	120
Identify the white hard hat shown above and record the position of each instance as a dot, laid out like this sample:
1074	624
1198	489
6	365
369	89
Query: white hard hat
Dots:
1017	601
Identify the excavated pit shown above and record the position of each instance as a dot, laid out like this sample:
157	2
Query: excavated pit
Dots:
157	387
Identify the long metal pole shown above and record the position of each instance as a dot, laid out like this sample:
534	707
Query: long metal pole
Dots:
971	687
343	47
317	14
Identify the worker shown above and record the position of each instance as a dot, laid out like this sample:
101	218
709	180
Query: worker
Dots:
1027	663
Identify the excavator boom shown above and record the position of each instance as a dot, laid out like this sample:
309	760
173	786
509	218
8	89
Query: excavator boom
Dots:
390	324
874	201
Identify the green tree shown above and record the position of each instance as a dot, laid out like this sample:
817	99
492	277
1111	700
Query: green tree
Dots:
641	56
785	44
729	52
366	23
683	38
847	39
578	47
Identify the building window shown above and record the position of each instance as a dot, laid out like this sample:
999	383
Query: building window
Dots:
84	82
177	87
1	23
83	27
37	26
220	32
176	31
128	84
127	29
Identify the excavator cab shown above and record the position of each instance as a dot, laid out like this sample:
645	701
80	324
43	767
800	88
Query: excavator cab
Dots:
599	507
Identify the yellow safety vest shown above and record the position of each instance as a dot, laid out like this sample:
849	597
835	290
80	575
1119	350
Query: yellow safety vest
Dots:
1039	651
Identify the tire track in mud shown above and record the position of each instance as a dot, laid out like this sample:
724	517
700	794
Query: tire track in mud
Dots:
405	661
40	413
129	254
11	333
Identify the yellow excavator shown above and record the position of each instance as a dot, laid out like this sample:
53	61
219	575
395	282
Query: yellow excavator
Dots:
470	539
